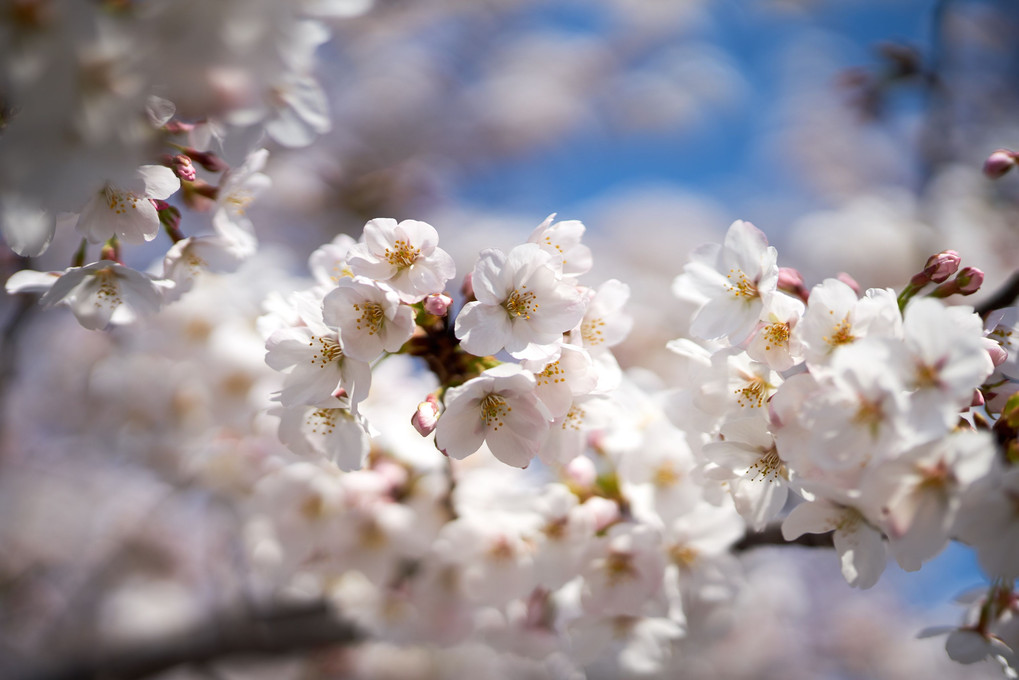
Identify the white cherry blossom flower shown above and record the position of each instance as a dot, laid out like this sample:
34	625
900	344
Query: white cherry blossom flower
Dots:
562	240
105	292
836	317
774	342
747	458
522	305
499	408
127	211
558	382
369	316
858	543
988	520
605	324
319	370
920	492
328	264
404	255
334	433
625	573
947	361
731	279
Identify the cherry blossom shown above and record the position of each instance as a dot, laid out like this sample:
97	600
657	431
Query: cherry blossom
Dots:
104	292
369	316
499	408
732	280
404	255
523	306
127	211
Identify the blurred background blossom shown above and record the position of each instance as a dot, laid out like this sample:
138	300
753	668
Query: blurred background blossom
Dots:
852	133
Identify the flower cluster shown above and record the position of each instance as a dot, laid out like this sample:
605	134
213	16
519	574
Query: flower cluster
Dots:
98	132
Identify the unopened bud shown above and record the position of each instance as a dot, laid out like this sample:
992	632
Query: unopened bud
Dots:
183	168
966	282
849	281
581	472
438	304
941	266
426	416
468	287
207	160
999	163
999	354
970	279
791	281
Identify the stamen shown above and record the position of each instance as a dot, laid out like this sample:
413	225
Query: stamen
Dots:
493	410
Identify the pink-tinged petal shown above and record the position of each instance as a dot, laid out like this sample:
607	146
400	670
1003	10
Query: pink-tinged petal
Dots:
159	181
287	347
481	328
310	385
811	518
461	429
861	553
379	235
490	285
420	235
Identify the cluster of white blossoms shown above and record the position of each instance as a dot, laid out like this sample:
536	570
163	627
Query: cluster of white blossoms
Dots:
100	134
867	415
872	410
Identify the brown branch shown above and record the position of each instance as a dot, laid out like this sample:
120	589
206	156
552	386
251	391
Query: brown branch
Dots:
276	631
772	535
1003	297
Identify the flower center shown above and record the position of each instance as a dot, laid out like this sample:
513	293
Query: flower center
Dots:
776	335
328	351
493	410
521	304
402	254
842	334
120	201
753	393
109	292
372	317
590	331
741	286
322	421
768	467
551	375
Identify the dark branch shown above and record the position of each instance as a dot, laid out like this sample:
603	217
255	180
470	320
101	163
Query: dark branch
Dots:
1003	297
772	535
280	630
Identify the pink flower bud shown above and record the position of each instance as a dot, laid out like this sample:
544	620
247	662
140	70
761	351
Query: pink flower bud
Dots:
970	279
426	416
791	281
183	167
207	160
438	304
602	510
999	163
939	267
581	472
999	354
849	281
